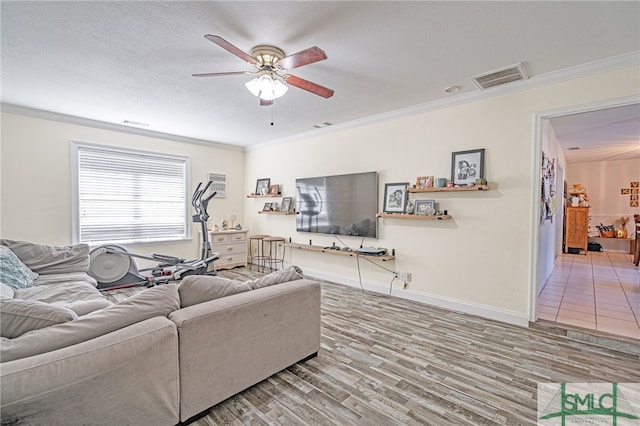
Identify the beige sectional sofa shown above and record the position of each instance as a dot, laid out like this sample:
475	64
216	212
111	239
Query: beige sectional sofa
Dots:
158	358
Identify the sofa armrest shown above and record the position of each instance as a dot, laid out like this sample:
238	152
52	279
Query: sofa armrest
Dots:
129	376
232	343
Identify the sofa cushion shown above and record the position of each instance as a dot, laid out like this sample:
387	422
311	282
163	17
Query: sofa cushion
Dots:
6	292
196	289
20	316
80	297
12	271
157	301
292	273
48	259
71	277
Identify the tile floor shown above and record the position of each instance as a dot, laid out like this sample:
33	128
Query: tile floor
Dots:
599	291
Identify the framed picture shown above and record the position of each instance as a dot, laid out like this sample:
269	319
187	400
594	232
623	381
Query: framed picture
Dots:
286	204
267	207
424	207
395	197
262	186
219	184
274	189
467	166
424	182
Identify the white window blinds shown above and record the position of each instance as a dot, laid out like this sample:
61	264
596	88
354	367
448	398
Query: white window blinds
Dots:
126	196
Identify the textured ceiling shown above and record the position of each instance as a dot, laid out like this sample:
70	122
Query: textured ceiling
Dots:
113	61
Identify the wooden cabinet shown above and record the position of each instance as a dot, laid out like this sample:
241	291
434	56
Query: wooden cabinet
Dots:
577	228
232	246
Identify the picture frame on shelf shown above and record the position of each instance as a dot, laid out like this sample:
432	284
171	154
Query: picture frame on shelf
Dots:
424	207
286	204
274	189
267	207
262	186
424	182
467	166
395	197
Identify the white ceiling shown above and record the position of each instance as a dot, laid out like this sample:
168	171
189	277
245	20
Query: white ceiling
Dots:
603	135
113	61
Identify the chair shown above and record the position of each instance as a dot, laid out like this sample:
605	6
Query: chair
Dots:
260	257
272	259
636	252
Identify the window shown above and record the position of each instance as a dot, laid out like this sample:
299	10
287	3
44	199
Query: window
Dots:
127	196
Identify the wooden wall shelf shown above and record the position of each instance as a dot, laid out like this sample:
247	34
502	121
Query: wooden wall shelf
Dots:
351	253
413	216
276	212
265	196
460	189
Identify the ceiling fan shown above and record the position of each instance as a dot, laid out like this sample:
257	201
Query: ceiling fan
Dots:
269	62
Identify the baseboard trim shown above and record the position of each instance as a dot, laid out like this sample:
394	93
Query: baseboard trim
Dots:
489	312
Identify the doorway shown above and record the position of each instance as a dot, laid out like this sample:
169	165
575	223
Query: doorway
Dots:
599	291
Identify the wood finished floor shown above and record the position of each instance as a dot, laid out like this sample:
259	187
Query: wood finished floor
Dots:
390	361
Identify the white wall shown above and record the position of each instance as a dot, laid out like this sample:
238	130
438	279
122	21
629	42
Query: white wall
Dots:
482	259
550	233
36	179
603	181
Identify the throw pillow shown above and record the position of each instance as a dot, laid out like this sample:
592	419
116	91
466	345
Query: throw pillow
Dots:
19	316
196	289
154	302
292	273
13	272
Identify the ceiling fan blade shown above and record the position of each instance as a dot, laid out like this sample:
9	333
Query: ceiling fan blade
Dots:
231	48
264	102
217	74
304	57
307	85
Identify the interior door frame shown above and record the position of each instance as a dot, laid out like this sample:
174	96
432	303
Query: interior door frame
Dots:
540	117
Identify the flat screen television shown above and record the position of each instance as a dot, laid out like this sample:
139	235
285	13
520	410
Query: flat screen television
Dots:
341	204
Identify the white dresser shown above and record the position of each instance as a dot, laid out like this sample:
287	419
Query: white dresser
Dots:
232	246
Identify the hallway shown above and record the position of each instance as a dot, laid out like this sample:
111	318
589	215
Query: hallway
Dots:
599	291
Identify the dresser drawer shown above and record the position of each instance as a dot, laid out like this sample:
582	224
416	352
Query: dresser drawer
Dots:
241	236
230	248
219	238
230	260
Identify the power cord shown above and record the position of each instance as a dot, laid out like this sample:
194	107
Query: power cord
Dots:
379	266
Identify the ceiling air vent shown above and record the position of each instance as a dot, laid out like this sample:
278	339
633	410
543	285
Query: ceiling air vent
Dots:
500	77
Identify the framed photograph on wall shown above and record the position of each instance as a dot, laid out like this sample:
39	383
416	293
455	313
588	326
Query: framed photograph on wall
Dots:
286	204
267	207
262	186
467	166
274	189
424	207
395	197
219	184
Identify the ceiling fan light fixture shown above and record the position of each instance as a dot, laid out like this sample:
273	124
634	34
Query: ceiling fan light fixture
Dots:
266	87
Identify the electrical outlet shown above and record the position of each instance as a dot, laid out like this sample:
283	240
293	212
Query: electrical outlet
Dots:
403	276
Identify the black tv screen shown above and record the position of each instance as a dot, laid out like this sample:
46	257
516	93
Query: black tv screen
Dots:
341	204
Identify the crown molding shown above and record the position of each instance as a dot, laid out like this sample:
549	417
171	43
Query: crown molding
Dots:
71	119
571	73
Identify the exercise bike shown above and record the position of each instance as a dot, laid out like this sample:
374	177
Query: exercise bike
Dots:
114	267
